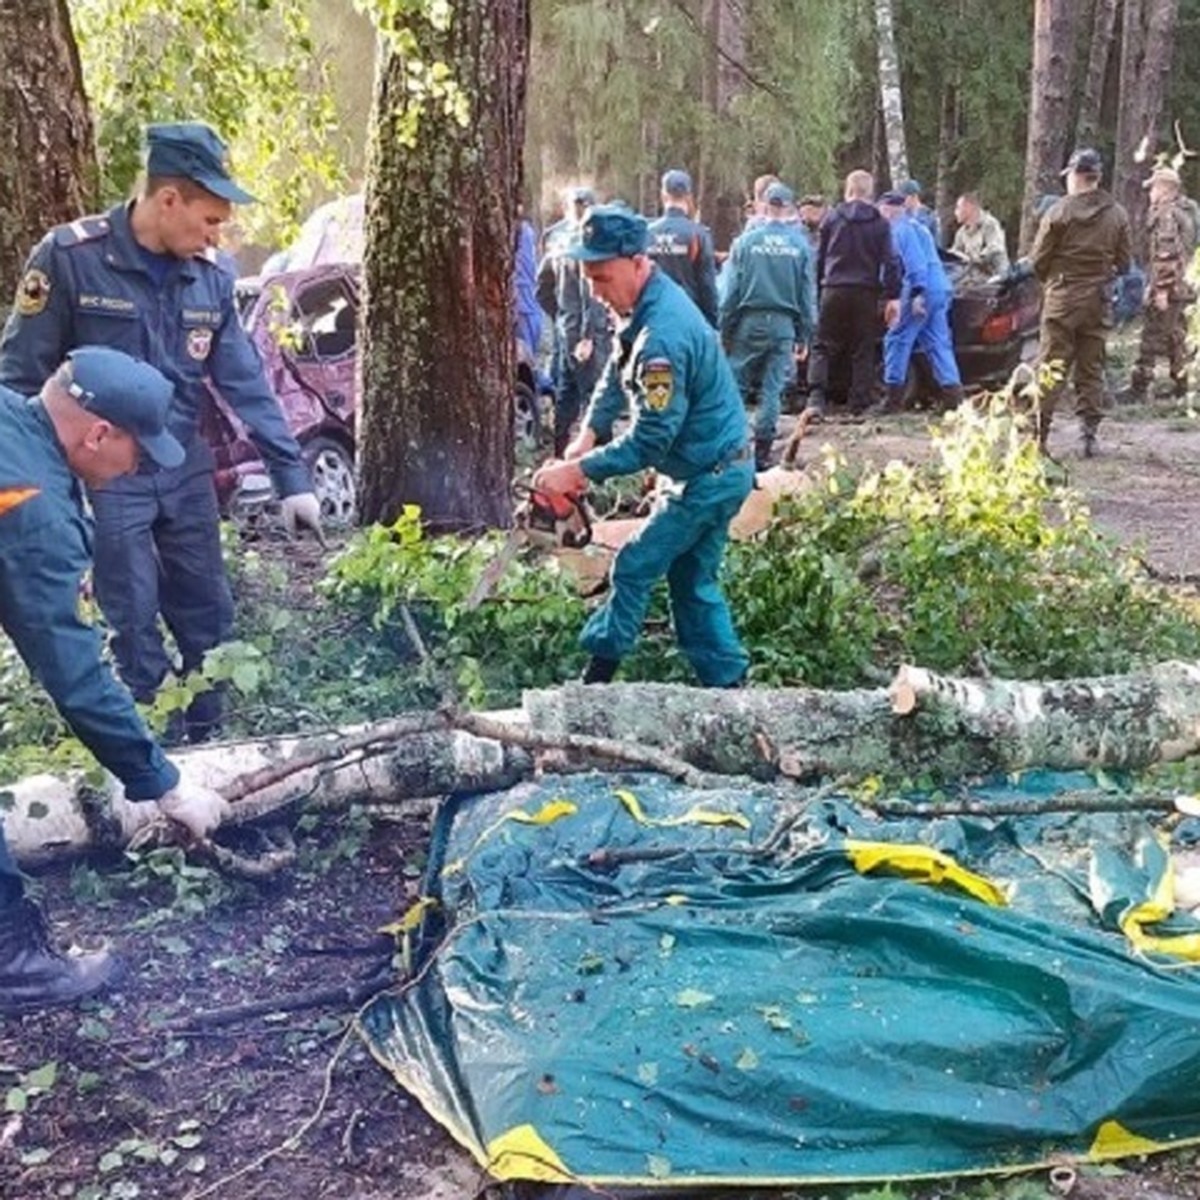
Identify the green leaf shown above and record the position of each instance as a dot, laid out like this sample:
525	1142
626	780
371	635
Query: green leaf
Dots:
657	1166
647	1074
112	1161
747	1060
187	1141
36	1156
691	998
43	1077
16	1100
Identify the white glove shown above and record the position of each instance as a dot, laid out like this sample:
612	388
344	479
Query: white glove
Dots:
198	808
302	511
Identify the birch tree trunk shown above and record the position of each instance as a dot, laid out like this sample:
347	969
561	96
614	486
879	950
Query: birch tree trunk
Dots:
1055	24
890	94
1147	50
443	184
1104	21
47	150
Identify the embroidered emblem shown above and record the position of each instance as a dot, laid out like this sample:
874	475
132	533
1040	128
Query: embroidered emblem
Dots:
659	384
33	293
199	343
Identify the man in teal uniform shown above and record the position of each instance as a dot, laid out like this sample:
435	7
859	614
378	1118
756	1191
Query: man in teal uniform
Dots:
689	424
96	417
768	309
683	246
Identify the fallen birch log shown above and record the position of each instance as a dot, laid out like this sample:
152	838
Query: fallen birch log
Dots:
924	725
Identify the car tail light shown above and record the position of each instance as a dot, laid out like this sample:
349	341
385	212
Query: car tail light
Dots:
997	328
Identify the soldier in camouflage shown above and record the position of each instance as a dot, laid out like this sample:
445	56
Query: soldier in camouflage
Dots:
1171	244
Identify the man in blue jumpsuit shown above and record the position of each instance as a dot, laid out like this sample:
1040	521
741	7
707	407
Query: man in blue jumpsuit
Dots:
95	416
767	311
924	324
689	425
683	247
910	189
581	336
144	279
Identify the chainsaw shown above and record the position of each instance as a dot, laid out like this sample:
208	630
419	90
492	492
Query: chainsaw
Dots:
552	520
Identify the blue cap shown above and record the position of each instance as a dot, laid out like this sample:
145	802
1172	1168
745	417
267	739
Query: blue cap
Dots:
610	231
779	195
192	150
1085	162
130	393
892	199
677	183
910	187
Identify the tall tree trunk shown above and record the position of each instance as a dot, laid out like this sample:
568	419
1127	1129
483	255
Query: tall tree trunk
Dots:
1147	49
444	178
1055	24
47	149
718	194
1104	20
890	95
943	197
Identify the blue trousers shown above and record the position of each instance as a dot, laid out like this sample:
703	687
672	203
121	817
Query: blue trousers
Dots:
574	383
763	358
684	539
12	886
930	334
158	550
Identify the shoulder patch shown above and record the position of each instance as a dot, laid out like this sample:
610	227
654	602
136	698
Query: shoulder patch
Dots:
658	381
33	293
86	229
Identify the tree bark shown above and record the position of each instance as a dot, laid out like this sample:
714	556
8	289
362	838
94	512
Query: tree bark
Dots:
443	185
1055	25
1104	20
1147	50
718	195
47	149
891	97
925	725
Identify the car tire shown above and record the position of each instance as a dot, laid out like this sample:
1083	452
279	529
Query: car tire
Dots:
332	468
527	417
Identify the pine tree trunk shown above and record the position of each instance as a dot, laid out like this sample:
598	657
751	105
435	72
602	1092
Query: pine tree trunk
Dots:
943	198
1147	49
438	359
890	94
1055	24
719	196
1104	21
47	150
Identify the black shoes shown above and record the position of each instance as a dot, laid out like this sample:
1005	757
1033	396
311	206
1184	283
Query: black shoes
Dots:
762	453
34	974
600	670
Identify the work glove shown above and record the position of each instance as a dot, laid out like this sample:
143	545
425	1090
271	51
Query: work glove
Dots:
302	511
199	809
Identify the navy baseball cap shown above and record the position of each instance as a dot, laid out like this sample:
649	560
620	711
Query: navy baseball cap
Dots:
192	150
1085	162
610	231
910	187
677	183
583	195
130	393
779	195
892	199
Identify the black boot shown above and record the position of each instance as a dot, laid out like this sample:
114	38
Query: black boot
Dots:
34	975
600	670
762	453
952	396
1090	448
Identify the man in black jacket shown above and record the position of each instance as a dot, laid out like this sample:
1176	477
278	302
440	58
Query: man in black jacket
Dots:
855	267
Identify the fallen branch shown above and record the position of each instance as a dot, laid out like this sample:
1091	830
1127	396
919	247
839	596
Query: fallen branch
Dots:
1064	802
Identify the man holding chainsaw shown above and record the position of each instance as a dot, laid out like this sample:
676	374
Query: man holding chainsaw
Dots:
689	425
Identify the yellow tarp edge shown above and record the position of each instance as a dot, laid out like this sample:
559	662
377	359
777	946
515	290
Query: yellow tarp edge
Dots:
923	864
1113	1140
522	1153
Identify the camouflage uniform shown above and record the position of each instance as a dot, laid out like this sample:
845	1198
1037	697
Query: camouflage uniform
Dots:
1082	242
1171	243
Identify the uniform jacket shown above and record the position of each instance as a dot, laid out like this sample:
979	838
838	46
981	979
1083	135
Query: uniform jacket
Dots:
86	284
982	245
855	249
922	272
1082	242
563	291
45	547
670	373
770	269
1172	243
683	248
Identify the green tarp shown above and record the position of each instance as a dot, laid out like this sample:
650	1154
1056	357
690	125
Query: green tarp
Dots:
620	986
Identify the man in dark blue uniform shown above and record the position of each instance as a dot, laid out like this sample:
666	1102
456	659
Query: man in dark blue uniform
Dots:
768	310
683	247
144	279
689	425
95	416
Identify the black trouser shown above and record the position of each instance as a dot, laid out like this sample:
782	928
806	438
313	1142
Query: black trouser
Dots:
12	887
847	325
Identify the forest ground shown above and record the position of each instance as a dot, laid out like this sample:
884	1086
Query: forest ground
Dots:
106	1102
